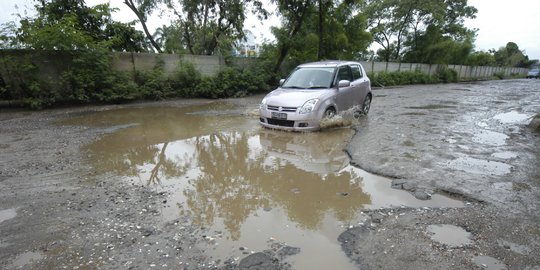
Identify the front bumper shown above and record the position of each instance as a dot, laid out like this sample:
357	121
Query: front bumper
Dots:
294	121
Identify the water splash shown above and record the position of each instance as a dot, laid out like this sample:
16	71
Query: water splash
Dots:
343	119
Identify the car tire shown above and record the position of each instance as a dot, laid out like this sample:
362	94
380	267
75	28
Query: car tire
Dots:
329	113
366	105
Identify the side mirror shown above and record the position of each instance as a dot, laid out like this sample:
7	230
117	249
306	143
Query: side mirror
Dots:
344	83
281	82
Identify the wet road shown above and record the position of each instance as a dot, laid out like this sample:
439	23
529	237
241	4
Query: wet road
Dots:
469	138
199	184
246	185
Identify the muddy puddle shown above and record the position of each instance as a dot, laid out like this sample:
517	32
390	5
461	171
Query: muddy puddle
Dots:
246	186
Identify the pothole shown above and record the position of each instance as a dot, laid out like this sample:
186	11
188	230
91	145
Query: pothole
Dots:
520	249
248	186
489	263
479	166
24	259
490	137
7	214
505	155
450	235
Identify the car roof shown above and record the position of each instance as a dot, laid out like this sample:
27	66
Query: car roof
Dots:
330	63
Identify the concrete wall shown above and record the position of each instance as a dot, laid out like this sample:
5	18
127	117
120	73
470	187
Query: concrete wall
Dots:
464	72
207	65
52	64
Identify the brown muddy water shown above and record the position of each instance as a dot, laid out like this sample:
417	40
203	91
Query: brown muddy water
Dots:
246	186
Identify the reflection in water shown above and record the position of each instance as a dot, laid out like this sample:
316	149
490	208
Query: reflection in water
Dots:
232	176
233	173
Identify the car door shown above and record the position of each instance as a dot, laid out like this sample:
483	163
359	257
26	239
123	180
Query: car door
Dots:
344	95
360	85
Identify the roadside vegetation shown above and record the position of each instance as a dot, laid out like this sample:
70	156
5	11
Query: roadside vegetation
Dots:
83	37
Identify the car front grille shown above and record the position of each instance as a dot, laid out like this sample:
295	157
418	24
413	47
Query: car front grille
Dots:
281	109
278	122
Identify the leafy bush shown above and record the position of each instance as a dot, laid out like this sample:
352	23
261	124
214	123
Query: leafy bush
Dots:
446	75
153	83
120	87
499	75
23	83
400	78
185	80
233	82
206	88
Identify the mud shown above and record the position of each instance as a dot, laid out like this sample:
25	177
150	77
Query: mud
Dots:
196	184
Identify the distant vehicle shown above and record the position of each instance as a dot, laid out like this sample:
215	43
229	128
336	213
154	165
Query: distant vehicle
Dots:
315	91
533	73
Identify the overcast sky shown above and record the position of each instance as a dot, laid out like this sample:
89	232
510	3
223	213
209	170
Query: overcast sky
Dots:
497	21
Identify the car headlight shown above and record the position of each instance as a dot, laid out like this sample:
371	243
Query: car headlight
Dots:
262	106
309	106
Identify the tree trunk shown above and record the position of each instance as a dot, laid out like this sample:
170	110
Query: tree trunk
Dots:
321	29
133	8
301	14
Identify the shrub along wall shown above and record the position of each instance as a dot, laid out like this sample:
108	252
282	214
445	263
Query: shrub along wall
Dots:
44	78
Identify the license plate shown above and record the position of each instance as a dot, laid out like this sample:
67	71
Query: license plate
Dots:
280	116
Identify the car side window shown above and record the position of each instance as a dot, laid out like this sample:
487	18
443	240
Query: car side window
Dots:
344	73
356	72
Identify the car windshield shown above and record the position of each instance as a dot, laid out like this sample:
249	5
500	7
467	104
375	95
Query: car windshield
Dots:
310	78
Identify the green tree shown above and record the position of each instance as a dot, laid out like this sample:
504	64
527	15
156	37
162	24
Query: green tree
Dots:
433	47
481	58
348	37
211	26
390	21
142	9
401	27
302	35
124	37
8	32
293	16
170	38
71	25
511	56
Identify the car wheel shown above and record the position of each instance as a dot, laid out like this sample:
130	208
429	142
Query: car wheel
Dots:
367	105
329	113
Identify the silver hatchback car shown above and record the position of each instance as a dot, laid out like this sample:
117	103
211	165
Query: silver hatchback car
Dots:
315	91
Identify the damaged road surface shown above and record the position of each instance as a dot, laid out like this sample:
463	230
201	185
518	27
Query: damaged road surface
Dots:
442	176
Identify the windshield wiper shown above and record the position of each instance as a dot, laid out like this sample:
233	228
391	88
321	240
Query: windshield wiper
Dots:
317	87
294	87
